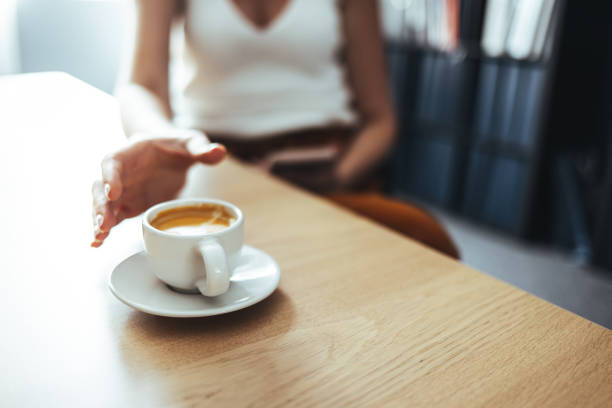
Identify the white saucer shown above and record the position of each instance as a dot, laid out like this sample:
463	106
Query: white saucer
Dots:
255	278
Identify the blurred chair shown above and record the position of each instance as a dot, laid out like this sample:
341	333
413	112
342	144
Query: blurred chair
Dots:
399	216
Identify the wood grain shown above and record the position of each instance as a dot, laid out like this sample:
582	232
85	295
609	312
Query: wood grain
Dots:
363	316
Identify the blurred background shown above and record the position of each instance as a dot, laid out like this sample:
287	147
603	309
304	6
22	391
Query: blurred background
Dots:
504	116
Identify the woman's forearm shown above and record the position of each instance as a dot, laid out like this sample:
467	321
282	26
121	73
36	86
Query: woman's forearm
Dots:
142	110
369	147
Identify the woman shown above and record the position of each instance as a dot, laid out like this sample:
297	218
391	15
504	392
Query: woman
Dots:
294	86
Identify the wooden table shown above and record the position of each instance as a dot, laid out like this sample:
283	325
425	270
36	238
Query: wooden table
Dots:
363	316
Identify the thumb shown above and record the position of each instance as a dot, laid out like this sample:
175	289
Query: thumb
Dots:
201	150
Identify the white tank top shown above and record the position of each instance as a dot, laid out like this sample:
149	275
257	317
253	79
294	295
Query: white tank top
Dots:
245	81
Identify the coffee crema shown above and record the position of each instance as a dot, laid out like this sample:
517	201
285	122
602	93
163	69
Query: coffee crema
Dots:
194	219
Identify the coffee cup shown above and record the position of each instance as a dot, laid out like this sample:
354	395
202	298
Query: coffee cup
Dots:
193	245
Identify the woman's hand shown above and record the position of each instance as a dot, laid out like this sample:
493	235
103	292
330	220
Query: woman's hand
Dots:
150	170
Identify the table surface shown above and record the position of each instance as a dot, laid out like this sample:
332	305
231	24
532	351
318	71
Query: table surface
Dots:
362	317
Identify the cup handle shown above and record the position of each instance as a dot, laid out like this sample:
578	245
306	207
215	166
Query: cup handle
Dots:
216	270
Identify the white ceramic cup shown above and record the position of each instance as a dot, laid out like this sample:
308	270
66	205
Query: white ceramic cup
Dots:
192	263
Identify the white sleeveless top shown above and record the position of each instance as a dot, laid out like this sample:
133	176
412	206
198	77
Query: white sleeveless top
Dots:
245	81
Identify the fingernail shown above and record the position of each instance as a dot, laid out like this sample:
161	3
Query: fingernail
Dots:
99	220
197	146
107	190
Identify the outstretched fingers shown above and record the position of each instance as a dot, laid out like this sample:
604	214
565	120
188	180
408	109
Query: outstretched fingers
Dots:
102	214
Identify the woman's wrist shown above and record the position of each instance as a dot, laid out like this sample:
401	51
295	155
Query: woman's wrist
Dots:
343	176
